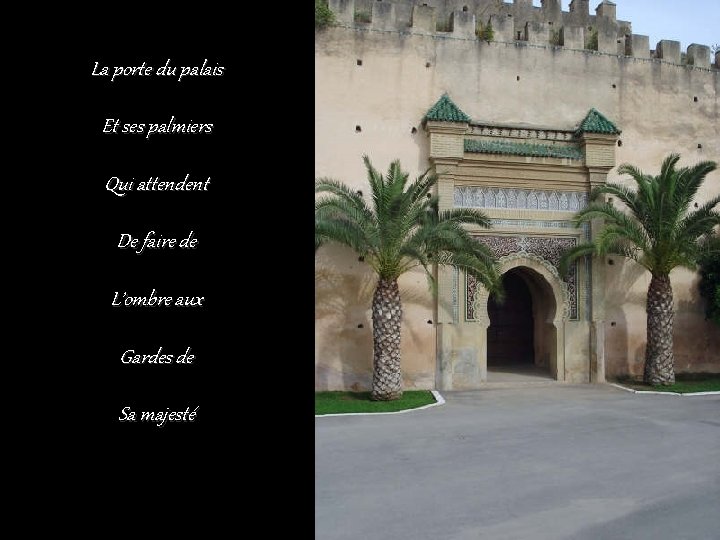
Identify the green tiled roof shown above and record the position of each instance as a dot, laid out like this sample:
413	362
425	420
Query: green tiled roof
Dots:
522	149
596	123
446	111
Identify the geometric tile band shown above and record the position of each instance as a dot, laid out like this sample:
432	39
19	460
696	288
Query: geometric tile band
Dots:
455	300
541	223
548	248
523	199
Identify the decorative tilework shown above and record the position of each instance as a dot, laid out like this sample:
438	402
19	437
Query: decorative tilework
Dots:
471	285
595	122
548	249
545	224
522	199
445	110
475	146
587	291
509	132
455	300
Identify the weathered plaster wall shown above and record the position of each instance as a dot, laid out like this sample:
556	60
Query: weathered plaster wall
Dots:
343	350
402	75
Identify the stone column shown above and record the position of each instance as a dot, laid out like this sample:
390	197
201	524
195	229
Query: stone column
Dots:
599	159
597	294
598	176
443	370
446	151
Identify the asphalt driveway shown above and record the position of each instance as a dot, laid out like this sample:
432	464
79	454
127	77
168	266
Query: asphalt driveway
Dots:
551	462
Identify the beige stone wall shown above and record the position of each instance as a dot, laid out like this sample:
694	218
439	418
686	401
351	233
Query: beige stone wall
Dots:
343	350
651	101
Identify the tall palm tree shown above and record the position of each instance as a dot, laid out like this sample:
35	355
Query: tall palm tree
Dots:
660	233
402	229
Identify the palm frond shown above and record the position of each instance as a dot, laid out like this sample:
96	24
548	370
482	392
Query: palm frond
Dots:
699	223
624	194
658	232
466	216
573	254
402	227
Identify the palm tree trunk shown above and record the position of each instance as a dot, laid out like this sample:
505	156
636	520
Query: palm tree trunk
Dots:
387	319
659	359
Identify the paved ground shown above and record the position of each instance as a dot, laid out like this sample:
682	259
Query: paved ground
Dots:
547	462
518	373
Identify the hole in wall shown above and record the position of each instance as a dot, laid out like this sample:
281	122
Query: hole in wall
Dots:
614	86
429	321
695	99
360	326
359	62
699	145
358	129
518	77
464	8
413	130
696	205
611	262
509	14
619	41
359	192
361	258
619	142
429	195
613	323
427	64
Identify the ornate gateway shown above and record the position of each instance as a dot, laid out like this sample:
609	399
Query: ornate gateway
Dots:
530	181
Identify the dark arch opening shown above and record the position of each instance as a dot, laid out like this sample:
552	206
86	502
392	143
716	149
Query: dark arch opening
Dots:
522	338
510	338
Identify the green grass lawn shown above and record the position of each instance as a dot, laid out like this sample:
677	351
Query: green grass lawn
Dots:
686	383
359	402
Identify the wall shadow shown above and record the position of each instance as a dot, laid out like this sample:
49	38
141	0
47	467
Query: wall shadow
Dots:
344	288
624	355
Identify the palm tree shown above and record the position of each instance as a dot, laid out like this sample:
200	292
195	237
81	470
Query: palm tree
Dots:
402	229
660	233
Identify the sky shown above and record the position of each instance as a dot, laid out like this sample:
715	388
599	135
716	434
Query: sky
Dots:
686	21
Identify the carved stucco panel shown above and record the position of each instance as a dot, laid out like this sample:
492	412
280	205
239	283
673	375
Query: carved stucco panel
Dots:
544	250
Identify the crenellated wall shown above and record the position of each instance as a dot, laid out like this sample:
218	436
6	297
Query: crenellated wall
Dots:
375	81
520	22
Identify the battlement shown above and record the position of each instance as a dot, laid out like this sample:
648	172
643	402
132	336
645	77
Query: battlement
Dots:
519	22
